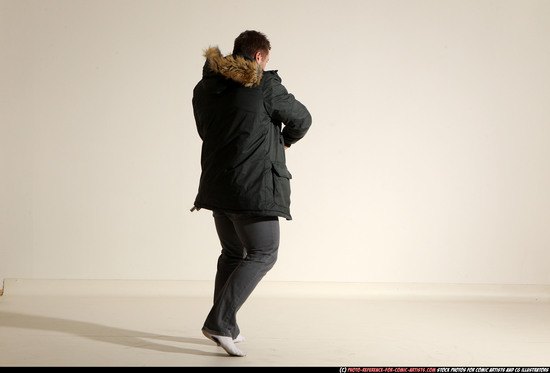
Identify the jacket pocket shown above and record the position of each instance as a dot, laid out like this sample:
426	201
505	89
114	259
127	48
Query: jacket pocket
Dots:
281	184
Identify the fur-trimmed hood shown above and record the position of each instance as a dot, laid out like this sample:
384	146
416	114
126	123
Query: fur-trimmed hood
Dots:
235	67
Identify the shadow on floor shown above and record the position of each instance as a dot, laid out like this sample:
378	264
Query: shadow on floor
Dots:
102	333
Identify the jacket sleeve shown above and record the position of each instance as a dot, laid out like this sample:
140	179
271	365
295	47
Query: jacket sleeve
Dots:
283	107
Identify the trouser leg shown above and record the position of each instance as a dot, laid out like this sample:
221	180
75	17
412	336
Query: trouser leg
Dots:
232	254
249	251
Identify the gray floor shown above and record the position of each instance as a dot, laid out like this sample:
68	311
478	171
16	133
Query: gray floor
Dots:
67	329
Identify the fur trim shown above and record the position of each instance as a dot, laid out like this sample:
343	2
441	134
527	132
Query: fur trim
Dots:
246	72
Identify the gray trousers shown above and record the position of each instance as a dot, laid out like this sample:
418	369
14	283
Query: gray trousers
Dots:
249	250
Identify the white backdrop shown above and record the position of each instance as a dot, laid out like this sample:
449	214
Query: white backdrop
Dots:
428	160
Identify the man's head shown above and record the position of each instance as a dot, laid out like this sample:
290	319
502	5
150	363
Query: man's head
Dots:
254	44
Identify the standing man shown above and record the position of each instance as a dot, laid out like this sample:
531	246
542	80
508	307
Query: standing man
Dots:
246	119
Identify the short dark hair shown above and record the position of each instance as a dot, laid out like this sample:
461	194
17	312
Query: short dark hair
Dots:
250	42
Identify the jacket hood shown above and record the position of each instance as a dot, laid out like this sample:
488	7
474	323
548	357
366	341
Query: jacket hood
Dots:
235	67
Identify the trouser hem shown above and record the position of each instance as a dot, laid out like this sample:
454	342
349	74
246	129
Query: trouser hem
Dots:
216	332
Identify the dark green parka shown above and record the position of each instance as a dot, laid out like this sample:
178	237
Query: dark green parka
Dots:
245	117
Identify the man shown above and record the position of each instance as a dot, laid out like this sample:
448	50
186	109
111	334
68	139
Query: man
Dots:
246	119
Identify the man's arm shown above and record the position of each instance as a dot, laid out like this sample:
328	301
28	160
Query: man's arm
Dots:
283	107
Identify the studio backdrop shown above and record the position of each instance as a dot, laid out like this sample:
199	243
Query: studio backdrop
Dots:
428	160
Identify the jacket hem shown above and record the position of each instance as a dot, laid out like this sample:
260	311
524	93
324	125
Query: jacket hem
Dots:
286	215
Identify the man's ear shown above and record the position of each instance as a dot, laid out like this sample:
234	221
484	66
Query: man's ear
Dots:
257	56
